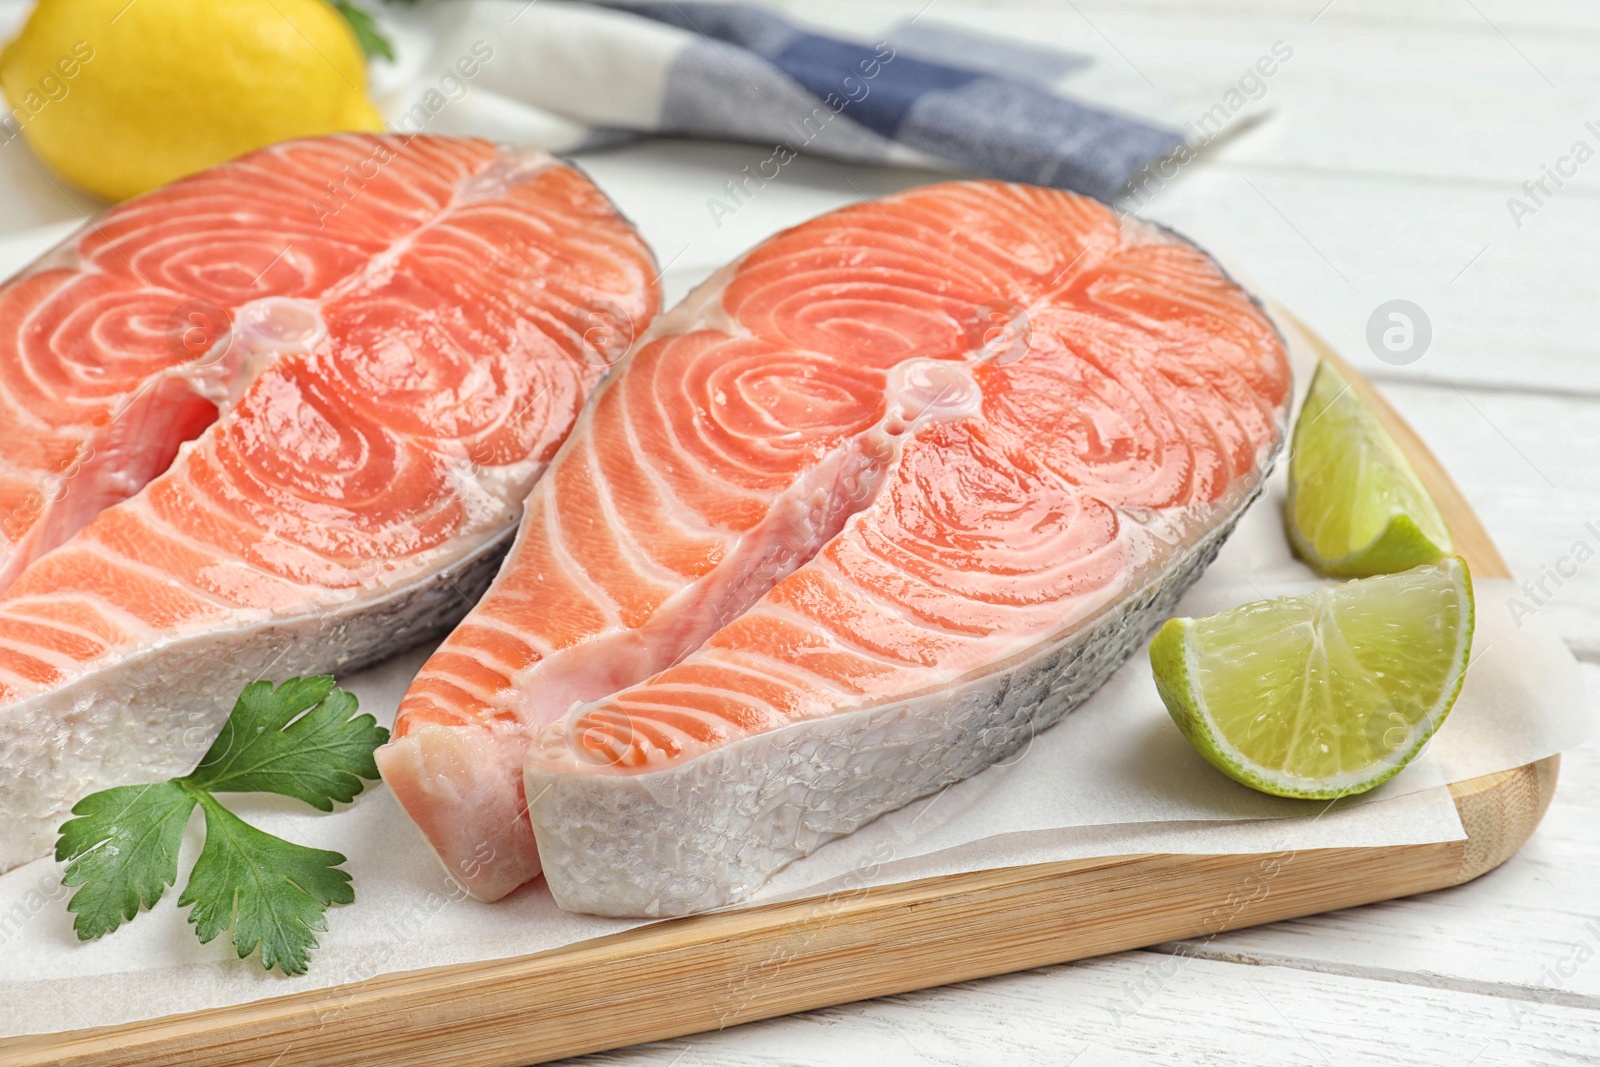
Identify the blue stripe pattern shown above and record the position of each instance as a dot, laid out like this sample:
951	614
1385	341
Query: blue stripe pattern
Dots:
828	66
749	74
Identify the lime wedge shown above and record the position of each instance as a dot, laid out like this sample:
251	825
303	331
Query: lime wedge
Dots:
1356	507
1326	694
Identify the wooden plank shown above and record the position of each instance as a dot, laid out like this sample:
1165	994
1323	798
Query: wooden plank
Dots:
1340	245
1471	539
1374	120
1366	87
1141	1008
1423	981
789	957
1359	189
1528	932
1357	162
1209	1013
1527	463
1564	18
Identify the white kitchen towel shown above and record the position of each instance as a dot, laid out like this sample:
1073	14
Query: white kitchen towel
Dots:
570	76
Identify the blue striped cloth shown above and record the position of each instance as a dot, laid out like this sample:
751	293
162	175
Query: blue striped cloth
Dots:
925	93
571	75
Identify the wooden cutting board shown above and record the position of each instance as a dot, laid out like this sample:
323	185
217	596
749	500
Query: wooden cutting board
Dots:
707	972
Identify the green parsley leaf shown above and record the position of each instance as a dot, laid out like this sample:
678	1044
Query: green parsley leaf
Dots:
301	740
368	36
124	851
274	893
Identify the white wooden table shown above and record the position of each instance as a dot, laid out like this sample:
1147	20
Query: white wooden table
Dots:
1383	172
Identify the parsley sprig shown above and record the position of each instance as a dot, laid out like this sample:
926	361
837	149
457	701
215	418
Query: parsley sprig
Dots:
302	739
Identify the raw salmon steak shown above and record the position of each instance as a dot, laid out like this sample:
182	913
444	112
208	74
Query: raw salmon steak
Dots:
397	333
896	488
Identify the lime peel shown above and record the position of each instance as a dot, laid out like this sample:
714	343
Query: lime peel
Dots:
1323	695
1355	507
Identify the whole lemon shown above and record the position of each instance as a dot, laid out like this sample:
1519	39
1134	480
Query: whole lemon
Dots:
119	97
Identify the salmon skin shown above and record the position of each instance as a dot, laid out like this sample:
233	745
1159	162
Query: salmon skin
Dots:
897	488
397	335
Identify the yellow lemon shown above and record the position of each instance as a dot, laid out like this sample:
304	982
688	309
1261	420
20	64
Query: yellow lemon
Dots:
119	97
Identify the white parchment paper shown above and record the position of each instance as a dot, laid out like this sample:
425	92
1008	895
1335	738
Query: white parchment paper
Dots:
1114	778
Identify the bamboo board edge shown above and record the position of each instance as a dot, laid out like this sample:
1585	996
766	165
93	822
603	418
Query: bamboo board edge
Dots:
739	966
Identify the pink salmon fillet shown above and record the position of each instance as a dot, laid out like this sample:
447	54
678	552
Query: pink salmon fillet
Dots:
898	487
276	418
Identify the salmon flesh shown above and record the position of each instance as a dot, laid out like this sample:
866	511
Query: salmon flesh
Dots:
277	418
900	486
